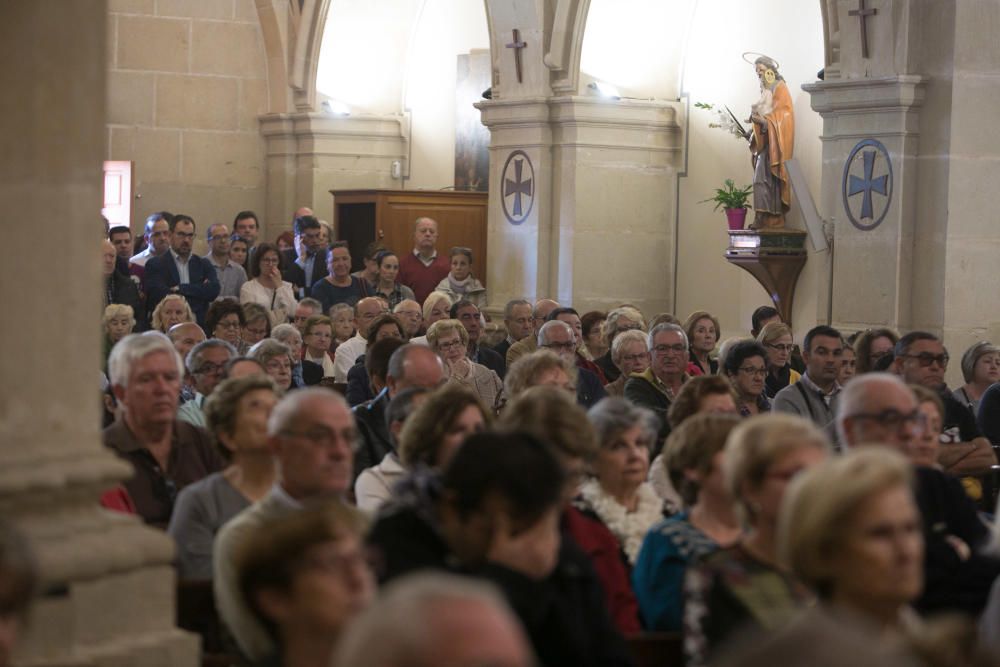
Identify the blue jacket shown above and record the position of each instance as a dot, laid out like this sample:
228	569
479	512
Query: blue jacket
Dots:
161	275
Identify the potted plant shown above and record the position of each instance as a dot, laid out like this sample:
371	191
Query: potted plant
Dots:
734	200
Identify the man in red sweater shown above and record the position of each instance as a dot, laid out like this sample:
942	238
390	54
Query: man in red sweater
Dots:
423	269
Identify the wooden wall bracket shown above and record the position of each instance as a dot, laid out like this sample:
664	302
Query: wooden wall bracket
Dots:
774	258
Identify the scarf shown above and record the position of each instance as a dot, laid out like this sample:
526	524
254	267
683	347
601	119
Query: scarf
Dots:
629	527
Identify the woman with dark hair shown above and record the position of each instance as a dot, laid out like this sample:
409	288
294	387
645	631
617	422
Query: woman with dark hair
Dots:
239	248
225	321
980	370
386	285
593	333
285	241
304	577
236	413
460	284
702	329
266	286
746	367
870	346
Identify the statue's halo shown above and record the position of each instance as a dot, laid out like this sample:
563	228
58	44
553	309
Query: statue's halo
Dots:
755	55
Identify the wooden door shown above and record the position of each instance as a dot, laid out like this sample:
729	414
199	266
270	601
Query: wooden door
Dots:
118	193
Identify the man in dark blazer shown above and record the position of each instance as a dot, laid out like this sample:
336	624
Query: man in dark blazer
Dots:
306	263
178	271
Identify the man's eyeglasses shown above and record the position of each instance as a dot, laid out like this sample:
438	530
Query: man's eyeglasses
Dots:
894	419
679	348
560	346
208	367
926	359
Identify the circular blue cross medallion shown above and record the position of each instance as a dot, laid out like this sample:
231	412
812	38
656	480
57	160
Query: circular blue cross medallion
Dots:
517	187
867	184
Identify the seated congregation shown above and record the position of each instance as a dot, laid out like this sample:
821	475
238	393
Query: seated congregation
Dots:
365	471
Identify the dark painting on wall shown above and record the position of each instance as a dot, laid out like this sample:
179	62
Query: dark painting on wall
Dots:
472	139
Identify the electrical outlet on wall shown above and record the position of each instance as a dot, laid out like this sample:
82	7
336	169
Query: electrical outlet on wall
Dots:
397	169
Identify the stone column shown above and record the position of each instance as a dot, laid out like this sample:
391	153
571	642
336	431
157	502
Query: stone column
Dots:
309	154
109	586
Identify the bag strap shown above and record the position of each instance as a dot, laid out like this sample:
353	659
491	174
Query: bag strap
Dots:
805	397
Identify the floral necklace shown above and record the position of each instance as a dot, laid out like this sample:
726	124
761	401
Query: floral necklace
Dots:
629	527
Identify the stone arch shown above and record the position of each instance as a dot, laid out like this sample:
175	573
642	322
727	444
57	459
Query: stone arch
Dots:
305	60
565	44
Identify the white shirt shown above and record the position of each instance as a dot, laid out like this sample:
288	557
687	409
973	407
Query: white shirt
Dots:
323	360
347	353
182	267
142	257
281	302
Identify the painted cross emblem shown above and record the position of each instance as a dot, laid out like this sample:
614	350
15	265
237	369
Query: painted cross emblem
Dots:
867	172
517	187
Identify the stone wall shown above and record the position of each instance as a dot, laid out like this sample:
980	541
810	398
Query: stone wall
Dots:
187	80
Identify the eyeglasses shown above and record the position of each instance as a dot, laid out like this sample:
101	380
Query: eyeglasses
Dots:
219	237
450	344
634	357
235	324
926	359
894	419
679	348
184	235
781	347
753	372
257	332
210	368
560	346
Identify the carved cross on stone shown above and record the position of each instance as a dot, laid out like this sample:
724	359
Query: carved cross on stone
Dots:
517	45
862	13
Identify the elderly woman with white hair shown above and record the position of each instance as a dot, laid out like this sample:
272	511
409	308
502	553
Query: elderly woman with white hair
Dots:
119	320
437	306
450	339
624	318
851	530
745	587
629	354
618	494
145	373
276	358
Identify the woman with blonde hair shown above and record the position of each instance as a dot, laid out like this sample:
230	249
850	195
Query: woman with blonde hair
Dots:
776	337
173	309
619	320
703	331
746	586
256	324
540	368
119	320
437	306
850	529
450	339
629	355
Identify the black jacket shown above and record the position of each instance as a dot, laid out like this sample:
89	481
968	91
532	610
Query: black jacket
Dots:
294	273
373	433
565	615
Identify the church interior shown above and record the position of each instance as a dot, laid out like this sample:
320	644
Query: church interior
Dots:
581	170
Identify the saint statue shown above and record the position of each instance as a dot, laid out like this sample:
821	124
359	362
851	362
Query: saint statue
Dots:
771	144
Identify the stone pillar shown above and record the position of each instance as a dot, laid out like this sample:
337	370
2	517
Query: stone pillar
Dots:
604	182
873	281
309	154
109	588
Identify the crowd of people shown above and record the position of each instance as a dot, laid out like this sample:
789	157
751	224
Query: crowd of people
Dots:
361	464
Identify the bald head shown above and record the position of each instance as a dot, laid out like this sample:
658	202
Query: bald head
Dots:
304	210
414	366
878	408
541	311
185	336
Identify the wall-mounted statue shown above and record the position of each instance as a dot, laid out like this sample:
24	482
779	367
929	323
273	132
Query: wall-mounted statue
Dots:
771	144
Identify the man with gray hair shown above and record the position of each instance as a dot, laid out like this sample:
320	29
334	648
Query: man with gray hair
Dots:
145	373
658	386
878	409
529	343
428	620
517	319
205	363
312	436
157	236
560	338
